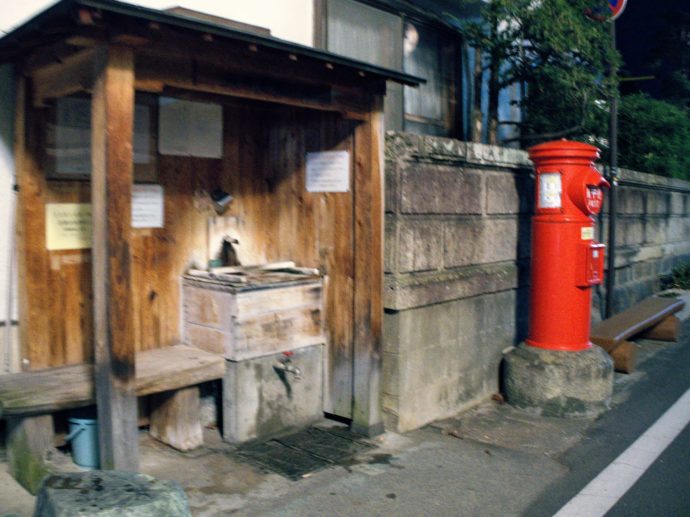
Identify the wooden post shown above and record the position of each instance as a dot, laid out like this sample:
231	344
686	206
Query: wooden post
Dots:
176	418
31	258
368	309
28	441
112	119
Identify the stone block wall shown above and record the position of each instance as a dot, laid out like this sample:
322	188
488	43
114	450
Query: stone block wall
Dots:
652	233
457	266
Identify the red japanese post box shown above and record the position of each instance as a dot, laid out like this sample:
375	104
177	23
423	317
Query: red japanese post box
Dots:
566	261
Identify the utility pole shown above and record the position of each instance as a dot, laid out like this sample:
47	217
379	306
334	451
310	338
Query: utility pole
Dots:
613	180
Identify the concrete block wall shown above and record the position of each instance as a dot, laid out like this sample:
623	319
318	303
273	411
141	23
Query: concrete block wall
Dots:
457	250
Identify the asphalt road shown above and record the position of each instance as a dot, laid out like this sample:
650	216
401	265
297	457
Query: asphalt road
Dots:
664	489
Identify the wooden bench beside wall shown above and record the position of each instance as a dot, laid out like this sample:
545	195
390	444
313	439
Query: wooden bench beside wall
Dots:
172	375
612	334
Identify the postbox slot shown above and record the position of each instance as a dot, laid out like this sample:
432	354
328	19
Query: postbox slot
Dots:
591	268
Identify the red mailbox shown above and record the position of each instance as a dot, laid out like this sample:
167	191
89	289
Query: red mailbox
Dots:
566	261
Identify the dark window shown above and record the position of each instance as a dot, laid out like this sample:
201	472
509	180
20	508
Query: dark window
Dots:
431	53
386	39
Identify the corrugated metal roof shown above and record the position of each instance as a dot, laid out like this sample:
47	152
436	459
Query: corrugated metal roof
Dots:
61	17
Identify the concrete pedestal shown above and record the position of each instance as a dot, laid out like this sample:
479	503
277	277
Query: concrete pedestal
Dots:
100	493
559	384
261	401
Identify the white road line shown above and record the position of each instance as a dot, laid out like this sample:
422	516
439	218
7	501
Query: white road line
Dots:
604	491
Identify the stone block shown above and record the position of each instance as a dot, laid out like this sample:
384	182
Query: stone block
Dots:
641	270
429	288
440	189
484	154
442	149
500	240
401	146
391	187
390	374
677	203
112	493
420	245
631	200
390	244
261	399
509	193
629	231
623	275
449	357
463	242
655	231
391	332
678	229
481	241
658	203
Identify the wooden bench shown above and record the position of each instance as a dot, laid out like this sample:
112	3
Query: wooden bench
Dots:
613	333
171	374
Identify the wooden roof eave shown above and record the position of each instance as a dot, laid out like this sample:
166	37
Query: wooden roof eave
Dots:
116	22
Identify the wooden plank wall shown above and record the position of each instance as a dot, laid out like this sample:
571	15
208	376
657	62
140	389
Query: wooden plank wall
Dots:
272	215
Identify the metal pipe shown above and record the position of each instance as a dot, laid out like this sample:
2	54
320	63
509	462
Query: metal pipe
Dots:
613	191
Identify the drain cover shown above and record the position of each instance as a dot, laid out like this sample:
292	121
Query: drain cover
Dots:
299	454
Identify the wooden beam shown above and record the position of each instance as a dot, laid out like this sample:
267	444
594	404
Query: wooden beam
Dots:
368	281
157	71
73	74
111	194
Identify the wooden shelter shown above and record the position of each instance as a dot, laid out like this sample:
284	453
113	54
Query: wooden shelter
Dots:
119	296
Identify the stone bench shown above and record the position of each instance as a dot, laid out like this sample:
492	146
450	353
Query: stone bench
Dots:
110	493
171	374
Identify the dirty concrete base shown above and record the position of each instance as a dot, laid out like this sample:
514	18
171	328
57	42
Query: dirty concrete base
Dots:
558	383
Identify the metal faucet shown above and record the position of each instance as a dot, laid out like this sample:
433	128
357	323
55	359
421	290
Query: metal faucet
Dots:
285	364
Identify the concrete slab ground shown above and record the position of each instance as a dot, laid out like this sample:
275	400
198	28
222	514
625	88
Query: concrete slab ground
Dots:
491	460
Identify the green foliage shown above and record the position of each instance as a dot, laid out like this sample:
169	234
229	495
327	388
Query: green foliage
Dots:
680	277
654	136
559	53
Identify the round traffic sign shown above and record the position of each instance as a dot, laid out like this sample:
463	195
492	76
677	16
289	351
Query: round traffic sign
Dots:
617	8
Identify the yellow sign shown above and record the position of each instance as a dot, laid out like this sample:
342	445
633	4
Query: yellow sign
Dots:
68	226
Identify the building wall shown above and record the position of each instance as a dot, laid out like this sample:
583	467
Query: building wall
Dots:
457	266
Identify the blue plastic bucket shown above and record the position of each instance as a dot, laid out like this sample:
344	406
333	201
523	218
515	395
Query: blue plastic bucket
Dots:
83	435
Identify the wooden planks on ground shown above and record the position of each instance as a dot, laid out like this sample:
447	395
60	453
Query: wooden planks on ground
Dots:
54	389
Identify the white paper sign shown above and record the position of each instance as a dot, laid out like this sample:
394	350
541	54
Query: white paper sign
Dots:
328	171
147	206
187	128
550	190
